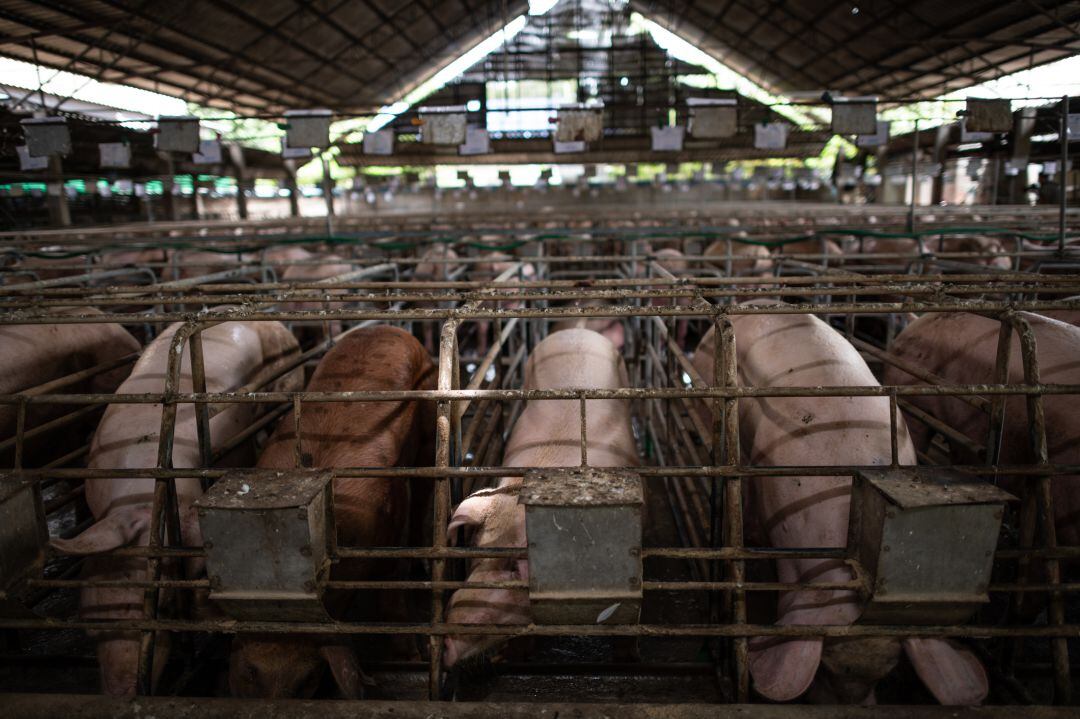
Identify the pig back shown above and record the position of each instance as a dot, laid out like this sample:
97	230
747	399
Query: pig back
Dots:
32	355
548	432
962	349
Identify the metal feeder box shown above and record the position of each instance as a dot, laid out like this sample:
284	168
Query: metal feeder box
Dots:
46	136
854	115
177	134
443	125
584	532
713	119
308	128
23	537
983	115
579	126
926	540
267	536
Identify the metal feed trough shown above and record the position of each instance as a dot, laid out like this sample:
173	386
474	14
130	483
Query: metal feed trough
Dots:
268	539
901	522
584	530
691	476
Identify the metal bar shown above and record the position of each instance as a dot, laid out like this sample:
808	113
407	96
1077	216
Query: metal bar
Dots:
48	706
436	314
202	411
439	629
628	393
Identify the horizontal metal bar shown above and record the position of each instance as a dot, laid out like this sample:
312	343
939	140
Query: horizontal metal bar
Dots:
75	706
624	393
230	626
428	472
561	312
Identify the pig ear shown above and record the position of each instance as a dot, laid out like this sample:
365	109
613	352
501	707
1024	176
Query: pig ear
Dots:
118	529
951	672
783	671
348	675
470	513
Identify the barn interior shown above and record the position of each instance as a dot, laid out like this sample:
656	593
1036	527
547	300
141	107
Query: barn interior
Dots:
773	306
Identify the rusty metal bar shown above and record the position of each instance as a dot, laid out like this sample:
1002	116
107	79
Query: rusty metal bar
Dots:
437	314
1037	429
439	629
202	411
48	706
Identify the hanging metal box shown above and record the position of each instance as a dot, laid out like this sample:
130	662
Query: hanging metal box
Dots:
267	538
579	125
26	162
177	134
988	115
443	125
926	539
46	136
23	536
308	128
854	115
584	532
713	119
114	155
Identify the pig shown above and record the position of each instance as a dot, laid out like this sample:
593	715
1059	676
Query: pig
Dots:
812	511
757	258
368	512
610	327
494	264
962	348
32	355
188	264
428	270
826	251
236	353
676	263
547	434
331	266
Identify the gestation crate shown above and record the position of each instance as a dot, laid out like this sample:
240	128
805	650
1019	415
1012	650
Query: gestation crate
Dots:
671	578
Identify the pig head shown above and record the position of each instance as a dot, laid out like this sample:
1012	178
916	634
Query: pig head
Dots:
547	434
236	353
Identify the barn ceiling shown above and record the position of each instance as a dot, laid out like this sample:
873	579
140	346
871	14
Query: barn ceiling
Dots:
266	56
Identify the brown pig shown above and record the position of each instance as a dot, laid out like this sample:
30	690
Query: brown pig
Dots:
368	512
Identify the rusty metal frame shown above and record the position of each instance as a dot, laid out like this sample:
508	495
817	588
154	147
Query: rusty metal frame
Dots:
661	359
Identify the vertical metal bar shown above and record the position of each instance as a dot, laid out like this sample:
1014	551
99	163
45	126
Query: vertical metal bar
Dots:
165	506
441	515
914	177
298	442
894	449
1063	174
20	431
202	410
728	377
997	402
1037	429
584	436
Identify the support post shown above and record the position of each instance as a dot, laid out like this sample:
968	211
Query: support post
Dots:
1063	174
56	198
914	177
290	185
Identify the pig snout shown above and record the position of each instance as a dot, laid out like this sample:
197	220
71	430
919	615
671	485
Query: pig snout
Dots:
291	667
484	606
273	669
